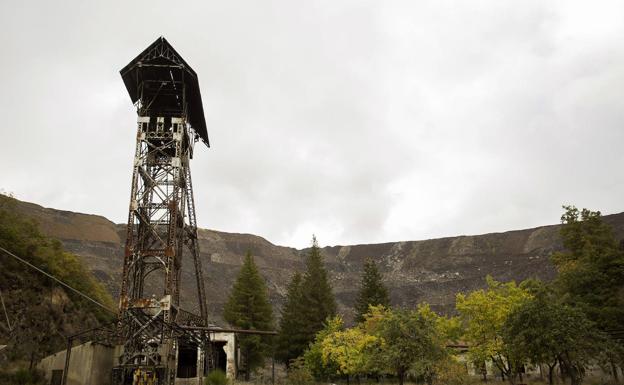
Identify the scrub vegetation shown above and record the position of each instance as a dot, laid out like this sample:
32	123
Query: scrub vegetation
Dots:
41	314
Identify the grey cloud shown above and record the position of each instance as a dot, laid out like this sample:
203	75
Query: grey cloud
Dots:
360	121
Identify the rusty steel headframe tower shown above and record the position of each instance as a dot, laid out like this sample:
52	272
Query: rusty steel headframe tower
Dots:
161	221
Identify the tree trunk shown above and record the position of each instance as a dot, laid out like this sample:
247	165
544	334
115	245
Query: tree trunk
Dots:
562	370
512	374
430	378
401	375
247	368
32	360
573	372
551	369
575	377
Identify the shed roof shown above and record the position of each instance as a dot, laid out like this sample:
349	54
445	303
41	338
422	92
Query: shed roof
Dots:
162	53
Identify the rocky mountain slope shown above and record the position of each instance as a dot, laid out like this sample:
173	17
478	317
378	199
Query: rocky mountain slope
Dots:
37	314
430	270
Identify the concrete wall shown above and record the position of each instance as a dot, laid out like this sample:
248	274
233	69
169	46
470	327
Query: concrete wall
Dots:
229	348
89	364
230	366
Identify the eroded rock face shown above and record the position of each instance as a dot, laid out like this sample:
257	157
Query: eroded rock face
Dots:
415	271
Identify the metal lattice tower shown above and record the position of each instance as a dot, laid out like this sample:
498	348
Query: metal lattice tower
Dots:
162	221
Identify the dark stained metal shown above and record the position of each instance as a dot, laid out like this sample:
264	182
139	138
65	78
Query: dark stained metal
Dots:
161	225
162	82
215	329
161	220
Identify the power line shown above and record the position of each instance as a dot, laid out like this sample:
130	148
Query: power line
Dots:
58	280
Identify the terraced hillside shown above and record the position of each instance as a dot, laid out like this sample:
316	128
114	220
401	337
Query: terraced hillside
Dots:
430	270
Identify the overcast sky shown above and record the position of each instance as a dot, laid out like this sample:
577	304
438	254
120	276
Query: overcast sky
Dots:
358	121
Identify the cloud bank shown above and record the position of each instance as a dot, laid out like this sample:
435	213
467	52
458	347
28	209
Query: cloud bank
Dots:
358	121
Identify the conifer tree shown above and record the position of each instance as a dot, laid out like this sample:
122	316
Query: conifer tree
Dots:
309	303
248	307
290	341
372	292
317	302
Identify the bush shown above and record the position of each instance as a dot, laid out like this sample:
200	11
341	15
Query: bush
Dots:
22	377
451	372
217	377
298	373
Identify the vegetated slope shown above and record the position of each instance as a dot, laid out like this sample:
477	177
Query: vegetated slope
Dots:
41	313
430	270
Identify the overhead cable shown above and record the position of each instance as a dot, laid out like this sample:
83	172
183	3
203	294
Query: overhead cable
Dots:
58	280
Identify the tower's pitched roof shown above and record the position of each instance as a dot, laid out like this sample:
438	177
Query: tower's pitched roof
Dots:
161	52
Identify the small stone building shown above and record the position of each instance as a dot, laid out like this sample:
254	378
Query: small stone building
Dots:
92	363
89	364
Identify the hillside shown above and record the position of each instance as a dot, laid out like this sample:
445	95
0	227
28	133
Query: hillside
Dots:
429	270
37	313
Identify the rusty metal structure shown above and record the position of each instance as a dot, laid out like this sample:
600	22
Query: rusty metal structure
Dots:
155	341
161	222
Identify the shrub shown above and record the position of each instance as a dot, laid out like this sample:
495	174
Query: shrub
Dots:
451	372
22	377
299	373
217	377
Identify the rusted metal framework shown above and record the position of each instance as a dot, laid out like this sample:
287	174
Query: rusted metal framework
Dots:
161	221
151	330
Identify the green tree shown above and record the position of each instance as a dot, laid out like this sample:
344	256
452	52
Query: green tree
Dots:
320	365
409	341
291	342
351	351
449	328
558	333
317	300
591	271
591	268
372	292
248	307
484	313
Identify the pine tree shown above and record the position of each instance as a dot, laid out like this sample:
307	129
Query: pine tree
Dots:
309	303
290	341
317	302
373	292
248	307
